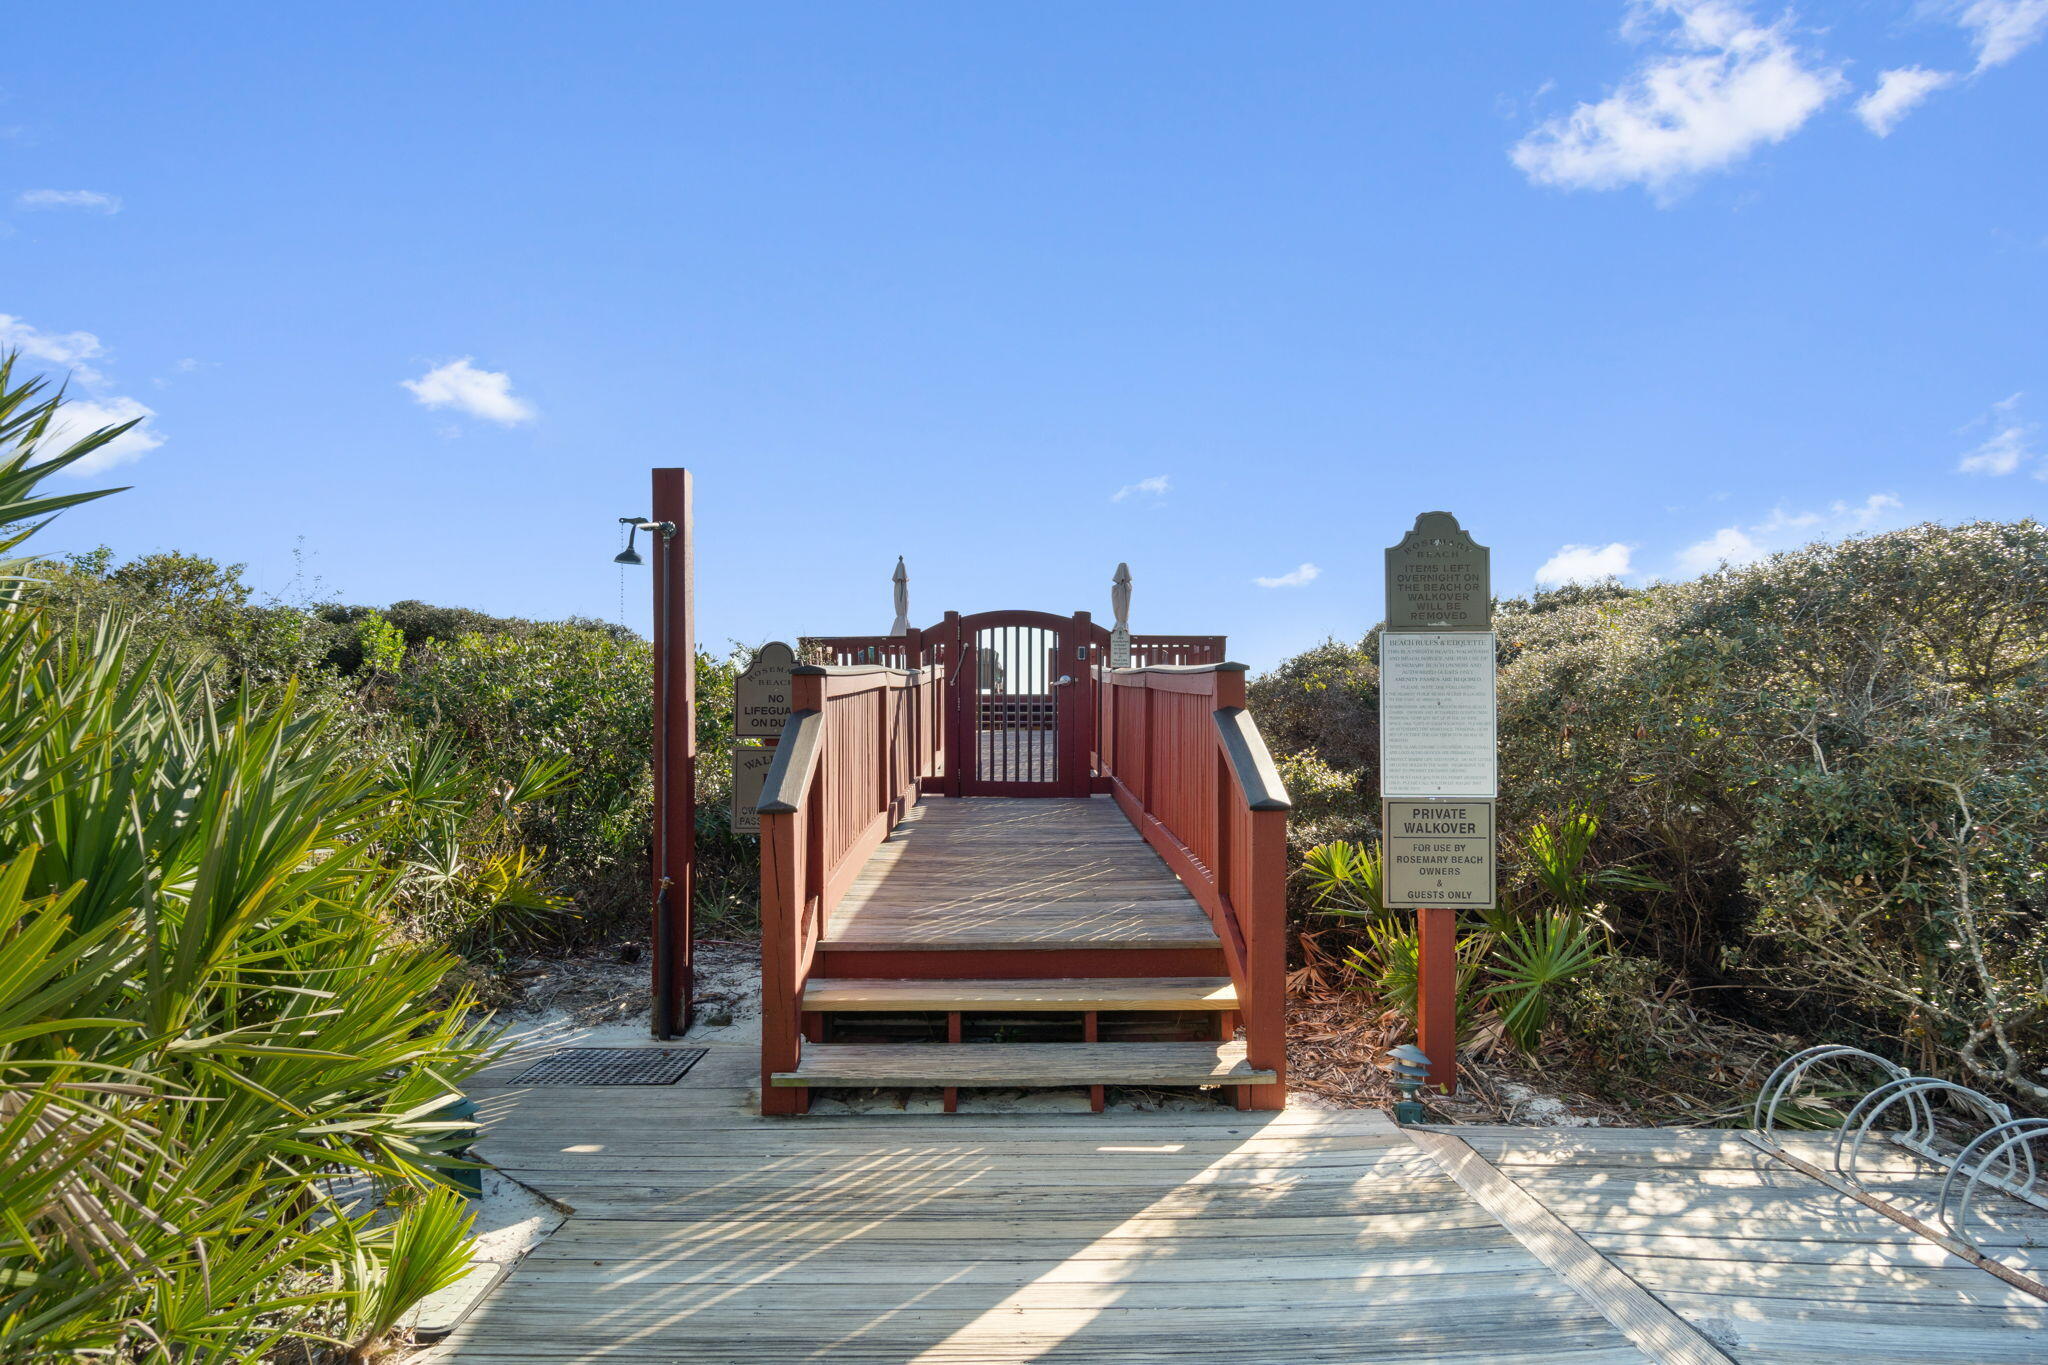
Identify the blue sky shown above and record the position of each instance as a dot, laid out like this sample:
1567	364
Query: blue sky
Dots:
1230	292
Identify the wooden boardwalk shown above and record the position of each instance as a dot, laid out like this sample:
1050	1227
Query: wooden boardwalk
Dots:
1772	1261
702	1232
995	873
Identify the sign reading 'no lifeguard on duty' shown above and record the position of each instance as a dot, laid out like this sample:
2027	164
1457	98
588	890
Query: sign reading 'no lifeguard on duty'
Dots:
760	696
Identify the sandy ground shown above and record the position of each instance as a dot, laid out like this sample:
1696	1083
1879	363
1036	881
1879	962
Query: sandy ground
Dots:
600	1000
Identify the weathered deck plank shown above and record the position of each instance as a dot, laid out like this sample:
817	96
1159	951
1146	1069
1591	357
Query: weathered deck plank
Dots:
992	872
1771	1263
704	1233
1023	1065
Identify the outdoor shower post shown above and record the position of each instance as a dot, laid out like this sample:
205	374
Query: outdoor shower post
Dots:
675	754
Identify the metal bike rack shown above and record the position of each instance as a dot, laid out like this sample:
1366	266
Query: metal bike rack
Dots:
1919	1136
1780	1083
2000	1156
2010	1143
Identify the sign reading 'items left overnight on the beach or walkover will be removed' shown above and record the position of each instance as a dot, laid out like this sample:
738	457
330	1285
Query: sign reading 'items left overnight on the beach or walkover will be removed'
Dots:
760	695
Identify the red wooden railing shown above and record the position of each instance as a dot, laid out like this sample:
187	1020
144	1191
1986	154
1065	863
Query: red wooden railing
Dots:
857	745
1149	651
1189	768
898	650
855	651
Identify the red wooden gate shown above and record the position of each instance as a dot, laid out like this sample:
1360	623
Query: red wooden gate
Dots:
1023	703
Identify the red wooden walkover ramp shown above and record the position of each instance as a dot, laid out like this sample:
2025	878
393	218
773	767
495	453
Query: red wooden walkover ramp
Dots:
991	859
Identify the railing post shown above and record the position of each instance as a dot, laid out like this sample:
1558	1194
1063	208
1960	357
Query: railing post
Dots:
1142	788
1078	726
959	692
782	897
790	848
1265	925
1230	686
913	659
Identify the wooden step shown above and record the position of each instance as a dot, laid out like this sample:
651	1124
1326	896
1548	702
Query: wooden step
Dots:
1091	993
1022	1065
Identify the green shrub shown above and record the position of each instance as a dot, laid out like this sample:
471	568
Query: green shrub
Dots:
1328	804
1829	765
506	693
207	1013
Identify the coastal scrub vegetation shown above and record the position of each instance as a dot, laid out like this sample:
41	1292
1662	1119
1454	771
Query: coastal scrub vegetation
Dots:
251	857
1805	797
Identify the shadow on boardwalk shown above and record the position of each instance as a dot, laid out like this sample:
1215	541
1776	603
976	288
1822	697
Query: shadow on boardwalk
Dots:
704	1233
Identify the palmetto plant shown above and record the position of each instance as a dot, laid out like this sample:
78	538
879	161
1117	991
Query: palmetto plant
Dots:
27	412
1554	855
1531	959
1517	957
1391	962
206	1013
465	876
1345	878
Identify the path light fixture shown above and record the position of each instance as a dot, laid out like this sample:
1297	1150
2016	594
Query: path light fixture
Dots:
629	555
1409	1065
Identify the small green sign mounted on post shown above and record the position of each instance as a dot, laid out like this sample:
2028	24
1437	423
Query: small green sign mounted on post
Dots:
1438	579
760	695
750	767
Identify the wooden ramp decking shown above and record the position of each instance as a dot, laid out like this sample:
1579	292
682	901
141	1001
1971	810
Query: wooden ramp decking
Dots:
980	905
993	873
702	1232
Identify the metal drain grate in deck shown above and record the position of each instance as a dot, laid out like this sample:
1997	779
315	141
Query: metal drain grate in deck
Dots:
612	1066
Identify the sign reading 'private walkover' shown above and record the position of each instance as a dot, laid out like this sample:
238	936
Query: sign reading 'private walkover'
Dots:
1438	853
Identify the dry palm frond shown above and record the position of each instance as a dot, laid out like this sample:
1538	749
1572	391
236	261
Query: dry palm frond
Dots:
74	1169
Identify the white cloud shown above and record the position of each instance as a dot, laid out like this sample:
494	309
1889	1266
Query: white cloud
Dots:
2002	29
480	393
1585	564
1899	92
1154	487
1782	530
2004	452
1729	545
69	350
1872	511
80	417
1732	85
1306	573
68	199
2010	444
